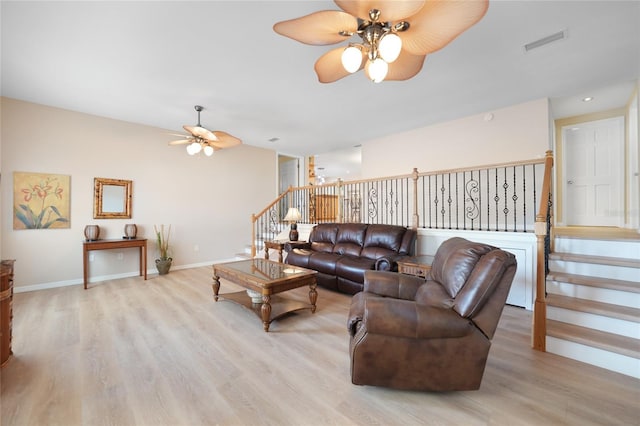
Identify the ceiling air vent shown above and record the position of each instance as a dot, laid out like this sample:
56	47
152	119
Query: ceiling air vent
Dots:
560	35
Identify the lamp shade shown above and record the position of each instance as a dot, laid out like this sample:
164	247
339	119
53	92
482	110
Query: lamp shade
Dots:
293	215
208	151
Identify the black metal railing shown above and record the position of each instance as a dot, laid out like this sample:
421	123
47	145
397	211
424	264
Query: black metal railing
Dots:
500	197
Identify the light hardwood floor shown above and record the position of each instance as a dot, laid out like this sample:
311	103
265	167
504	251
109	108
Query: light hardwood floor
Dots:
162	352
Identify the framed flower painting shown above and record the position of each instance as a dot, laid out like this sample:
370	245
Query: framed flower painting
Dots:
41	201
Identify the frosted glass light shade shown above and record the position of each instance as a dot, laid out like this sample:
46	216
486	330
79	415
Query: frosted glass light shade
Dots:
389	47
208	151
377	70
351	59
194	148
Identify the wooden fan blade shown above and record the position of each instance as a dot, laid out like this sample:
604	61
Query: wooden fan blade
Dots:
440	22
329	66
405	67
181	142
200	132
224	140
390	10
318	28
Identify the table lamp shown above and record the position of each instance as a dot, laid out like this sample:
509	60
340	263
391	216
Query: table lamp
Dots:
293	215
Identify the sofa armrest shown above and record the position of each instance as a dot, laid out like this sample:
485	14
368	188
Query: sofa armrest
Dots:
392	284
405	318
389	262
288	246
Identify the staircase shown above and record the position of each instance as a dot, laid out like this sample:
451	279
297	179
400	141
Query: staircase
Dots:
593	298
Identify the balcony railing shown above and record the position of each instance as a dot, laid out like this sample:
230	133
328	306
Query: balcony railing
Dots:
508	197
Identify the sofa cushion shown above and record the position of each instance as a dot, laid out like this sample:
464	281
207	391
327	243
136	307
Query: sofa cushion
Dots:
433	294
323	262
323	237
350	239
382	240
353	268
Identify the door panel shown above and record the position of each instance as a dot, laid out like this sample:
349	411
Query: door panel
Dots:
593	164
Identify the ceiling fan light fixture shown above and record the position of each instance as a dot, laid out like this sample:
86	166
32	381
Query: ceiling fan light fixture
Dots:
351	59
377	70
201	139
400	32
389	47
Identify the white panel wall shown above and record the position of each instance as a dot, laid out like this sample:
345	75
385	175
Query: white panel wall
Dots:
522	245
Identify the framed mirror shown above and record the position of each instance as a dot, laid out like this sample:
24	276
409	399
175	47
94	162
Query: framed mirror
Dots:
112	198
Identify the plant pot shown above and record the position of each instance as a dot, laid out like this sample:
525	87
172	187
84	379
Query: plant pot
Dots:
163	265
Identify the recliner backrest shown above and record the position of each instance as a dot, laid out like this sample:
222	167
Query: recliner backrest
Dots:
477	276
454	261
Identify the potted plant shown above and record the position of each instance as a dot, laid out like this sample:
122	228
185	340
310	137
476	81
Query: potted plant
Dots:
163	263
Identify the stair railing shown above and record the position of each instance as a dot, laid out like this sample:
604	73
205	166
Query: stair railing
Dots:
499	197
543	237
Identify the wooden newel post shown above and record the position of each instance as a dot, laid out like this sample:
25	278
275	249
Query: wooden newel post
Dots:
539	335
253	235
416	218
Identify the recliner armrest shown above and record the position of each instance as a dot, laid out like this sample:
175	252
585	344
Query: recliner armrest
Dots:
392	284
404	318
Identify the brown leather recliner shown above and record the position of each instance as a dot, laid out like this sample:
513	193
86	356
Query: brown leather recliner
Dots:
408	333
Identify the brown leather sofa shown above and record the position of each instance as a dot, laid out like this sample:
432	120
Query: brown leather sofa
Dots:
342	252
433	334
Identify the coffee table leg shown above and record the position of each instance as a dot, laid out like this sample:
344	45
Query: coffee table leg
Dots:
313	296
266	311
215	285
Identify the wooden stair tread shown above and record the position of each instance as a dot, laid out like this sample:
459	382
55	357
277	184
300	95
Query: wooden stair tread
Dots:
601	260
598	339
593	307
607	233
606	283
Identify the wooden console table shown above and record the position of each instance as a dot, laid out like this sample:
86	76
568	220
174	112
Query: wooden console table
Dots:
87	246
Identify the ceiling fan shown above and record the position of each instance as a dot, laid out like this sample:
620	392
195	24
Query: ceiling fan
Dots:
201	139
396	34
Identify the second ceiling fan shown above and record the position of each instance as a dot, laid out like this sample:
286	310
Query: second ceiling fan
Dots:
202	139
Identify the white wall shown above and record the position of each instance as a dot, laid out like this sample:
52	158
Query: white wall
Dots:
207	200
519	132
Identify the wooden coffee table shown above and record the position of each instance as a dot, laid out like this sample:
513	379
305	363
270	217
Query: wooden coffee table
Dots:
263	279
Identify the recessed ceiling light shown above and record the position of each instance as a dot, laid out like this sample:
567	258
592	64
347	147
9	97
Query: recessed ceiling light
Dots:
587	99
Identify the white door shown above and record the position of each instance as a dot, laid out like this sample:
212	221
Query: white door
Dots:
288	171
593	172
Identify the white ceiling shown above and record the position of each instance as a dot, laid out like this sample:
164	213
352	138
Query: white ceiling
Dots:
150	62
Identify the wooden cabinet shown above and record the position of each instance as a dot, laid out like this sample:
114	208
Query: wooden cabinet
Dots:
6	310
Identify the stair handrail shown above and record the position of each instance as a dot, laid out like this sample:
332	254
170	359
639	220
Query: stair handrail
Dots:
542	231
254	218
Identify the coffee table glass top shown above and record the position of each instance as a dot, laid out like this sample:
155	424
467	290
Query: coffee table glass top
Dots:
264	270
